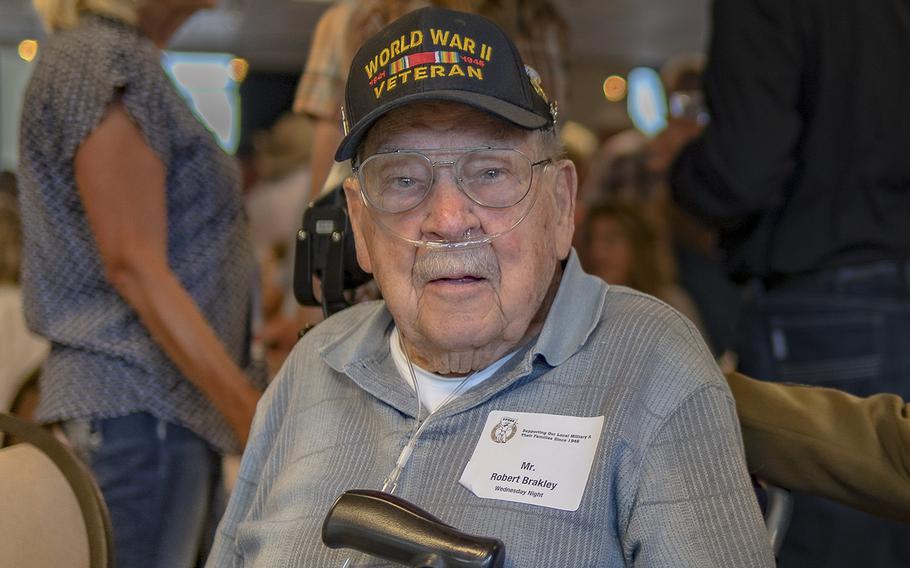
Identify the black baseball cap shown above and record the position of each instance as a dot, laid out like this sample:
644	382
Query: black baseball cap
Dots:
433	54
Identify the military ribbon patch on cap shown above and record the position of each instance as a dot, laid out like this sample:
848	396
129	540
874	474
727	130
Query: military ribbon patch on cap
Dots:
458	56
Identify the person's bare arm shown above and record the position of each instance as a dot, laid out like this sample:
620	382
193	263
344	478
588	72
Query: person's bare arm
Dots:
121	182
326	138
827	442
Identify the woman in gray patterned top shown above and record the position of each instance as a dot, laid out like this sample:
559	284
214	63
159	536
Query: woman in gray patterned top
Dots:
137	268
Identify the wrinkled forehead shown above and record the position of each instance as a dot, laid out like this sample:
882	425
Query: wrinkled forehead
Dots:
441	121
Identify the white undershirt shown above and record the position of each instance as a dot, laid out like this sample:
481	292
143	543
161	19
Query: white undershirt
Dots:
435	389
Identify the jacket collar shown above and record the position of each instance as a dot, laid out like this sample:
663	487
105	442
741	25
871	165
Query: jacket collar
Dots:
362	351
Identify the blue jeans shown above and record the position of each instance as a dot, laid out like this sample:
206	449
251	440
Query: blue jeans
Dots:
161	483
846	328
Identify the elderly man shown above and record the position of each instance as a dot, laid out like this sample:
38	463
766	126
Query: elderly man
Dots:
497	385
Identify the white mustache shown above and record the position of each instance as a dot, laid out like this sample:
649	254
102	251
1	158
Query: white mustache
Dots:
478	262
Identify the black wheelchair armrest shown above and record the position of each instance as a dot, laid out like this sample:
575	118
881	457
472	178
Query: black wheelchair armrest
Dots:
393	529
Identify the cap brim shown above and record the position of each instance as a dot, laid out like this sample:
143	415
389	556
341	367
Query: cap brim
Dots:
507	111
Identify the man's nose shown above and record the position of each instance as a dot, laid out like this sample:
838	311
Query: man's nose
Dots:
450	213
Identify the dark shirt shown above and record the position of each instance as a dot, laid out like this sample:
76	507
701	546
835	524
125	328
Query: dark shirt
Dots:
806	162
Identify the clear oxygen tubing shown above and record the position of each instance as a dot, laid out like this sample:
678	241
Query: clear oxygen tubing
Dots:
390	484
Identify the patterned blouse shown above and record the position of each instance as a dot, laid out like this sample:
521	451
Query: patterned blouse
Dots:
103	362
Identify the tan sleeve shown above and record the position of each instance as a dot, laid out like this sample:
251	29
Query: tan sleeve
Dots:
321	87
829	443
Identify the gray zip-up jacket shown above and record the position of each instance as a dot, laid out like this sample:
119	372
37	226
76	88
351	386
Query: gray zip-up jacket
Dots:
668	486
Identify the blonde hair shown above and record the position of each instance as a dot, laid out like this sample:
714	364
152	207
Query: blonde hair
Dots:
65	14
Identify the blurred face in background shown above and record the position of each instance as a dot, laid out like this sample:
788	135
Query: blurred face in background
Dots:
608	252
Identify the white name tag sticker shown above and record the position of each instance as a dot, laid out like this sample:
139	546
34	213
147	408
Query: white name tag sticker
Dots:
541	459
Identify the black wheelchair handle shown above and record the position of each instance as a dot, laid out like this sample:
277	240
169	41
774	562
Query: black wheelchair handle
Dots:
393	529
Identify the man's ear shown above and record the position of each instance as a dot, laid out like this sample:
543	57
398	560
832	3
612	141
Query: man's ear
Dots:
358	214
565	189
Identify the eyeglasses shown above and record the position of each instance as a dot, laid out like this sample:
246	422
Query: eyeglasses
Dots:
398	181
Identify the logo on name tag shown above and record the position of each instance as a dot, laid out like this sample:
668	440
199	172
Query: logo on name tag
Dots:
504	430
